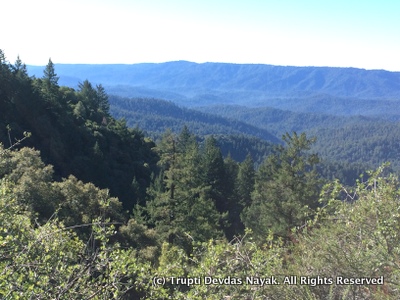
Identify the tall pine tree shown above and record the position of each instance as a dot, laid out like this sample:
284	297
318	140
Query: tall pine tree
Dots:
179	207
286	189
49	75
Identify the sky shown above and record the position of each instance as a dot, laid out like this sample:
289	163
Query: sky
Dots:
349	33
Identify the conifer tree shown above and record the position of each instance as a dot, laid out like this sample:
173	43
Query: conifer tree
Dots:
102	99
19	69
286	189
88	94
180	207
49	88
49	75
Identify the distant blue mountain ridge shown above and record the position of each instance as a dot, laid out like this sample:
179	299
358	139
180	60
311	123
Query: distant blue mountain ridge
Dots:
302	89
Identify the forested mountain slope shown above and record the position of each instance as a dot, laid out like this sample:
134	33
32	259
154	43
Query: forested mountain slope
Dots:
254	85
155	116
349	139
74	131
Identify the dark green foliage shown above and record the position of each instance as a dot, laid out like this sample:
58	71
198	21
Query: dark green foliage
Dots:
180	207
49	75
48	88
193	181
74	132
95	101
286	190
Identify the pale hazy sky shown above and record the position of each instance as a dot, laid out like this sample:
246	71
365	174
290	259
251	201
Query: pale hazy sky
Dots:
343	33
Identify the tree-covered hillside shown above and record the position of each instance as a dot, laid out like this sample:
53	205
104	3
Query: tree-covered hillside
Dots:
74	131
342	142
348	139
155	116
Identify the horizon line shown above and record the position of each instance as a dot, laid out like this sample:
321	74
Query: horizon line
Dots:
211	62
